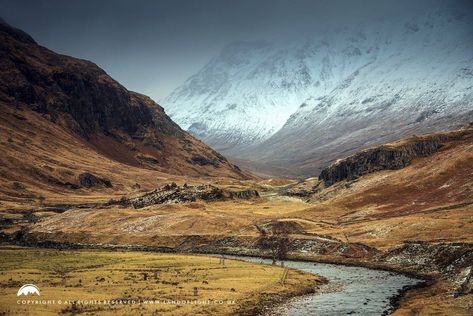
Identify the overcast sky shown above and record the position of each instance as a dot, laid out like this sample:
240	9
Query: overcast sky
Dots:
153	46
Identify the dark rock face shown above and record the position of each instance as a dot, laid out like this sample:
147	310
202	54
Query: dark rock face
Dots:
176	194
88	180
377	159
58	85
203	161
245	194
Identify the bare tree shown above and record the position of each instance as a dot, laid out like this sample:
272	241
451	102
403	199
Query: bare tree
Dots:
275	239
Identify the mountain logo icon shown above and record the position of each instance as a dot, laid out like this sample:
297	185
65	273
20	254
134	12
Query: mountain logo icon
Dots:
28	289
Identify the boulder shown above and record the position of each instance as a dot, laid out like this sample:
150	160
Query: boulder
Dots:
88	180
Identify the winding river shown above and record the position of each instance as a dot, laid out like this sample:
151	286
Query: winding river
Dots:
351	290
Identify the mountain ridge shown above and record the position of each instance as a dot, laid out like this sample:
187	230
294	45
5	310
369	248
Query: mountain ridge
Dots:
63	117
337	92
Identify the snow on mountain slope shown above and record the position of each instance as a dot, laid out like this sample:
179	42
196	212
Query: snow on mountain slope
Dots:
300	106
236	98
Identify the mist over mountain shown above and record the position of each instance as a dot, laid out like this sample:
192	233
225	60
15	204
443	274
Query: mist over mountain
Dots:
295	106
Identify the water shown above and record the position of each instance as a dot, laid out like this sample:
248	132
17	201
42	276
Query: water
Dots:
351	291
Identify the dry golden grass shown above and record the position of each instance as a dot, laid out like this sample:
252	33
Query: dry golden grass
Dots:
44	158
370	223
165	225
103	275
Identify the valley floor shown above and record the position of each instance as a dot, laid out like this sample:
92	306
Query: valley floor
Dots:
125	283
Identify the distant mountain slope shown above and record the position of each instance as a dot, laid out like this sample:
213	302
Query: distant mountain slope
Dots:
51	101
235	100
342	90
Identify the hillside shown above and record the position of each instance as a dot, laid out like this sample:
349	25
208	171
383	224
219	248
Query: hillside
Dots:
409	211
293	108
426	195
63	117
427	199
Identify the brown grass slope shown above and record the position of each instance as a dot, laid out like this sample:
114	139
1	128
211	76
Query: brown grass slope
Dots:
429	200
61	116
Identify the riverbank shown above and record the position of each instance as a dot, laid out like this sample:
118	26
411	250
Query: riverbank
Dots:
273	295
351	291
123	283
442	265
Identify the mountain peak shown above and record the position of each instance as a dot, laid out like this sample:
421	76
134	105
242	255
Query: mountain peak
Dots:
79	108
16	33
282	103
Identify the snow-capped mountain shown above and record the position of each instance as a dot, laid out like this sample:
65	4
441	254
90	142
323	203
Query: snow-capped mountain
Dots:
243	96
301	105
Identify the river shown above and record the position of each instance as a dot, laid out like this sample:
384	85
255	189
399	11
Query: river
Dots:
351	290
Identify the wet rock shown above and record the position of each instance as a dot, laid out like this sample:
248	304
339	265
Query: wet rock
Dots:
88	180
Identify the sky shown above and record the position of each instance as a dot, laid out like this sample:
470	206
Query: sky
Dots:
153	46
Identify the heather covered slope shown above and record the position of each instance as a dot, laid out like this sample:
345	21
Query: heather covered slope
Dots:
62	116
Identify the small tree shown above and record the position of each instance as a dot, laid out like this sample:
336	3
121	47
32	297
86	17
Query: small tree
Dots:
276	240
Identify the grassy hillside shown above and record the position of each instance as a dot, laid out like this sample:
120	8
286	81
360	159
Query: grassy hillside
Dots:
430	200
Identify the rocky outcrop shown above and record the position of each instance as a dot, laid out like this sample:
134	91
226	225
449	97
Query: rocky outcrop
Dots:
303	189
244	194
88	180
173	193
453	261
73	92
203	161
466	282
388	157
